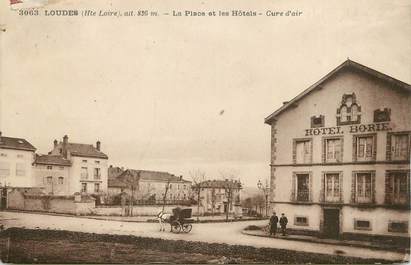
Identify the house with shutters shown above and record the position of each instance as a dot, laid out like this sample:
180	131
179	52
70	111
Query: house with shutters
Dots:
72	167
340	155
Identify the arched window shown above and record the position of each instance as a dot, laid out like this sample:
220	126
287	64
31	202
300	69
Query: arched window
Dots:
344	114
349	111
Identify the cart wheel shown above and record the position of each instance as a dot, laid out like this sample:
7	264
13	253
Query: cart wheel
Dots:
175	227
187	228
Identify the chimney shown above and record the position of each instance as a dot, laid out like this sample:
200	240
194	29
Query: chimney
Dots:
65	142
55	143
98	145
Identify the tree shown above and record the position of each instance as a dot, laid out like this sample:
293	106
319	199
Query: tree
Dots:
198	177
131	178
230	185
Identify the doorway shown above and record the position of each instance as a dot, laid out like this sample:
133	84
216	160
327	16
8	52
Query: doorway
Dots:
331	223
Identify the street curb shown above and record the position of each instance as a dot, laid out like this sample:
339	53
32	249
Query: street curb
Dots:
149	220
342	243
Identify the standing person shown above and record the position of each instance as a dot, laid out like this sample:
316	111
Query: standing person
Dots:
123	201
283	224
273	224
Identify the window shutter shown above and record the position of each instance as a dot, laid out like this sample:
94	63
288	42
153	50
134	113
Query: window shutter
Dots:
354	148
341	186
324	148
388	150
293	179
388	188
353	183
322	191
373	186
310	193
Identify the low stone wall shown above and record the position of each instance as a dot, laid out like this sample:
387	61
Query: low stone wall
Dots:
139	210
18	200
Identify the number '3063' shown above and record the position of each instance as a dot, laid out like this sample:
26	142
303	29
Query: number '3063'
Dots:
28	12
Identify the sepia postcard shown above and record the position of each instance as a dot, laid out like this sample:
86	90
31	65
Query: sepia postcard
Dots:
205	132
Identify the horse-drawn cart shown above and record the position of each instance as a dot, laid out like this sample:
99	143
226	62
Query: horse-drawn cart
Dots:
181	220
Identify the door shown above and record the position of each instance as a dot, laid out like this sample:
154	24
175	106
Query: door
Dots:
331	223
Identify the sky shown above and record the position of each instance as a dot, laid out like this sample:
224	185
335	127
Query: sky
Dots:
189	93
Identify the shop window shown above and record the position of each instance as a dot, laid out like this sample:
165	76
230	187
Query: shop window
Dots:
364	147
398	227
301	220
349	111
302	151
362	224
397	187
363	185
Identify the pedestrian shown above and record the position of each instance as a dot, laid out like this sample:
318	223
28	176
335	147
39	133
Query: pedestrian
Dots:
283	224
123	201
273	224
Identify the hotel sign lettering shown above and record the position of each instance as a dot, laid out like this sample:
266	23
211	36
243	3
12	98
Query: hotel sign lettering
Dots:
356	128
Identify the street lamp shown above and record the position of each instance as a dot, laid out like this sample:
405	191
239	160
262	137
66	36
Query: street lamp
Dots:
265	190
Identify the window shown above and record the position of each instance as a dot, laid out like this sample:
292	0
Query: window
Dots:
398	227
349	111
382	115
301	220
332	187
49	167
83	187
97	162
362	225
397	189
398	146
60	180
364	183
84	173
4	169
96	187
317	121
184	187
3	155
20	170
20	156
333	149
49	180
301	187
302	151
364	147
84	161
61	168
97	173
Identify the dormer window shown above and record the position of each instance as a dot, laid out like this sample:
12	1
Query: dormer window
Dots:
349	111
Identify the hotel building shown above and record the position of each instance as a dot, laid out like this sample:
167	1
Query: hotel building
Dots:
340	155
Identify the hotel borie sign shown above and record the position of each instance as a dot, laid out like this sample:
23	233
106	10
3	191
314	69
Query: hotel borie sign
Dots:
356	128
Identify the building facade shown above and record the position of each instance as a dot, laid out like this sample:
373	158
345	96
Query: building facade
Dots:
152	185
340	155
16	158
219	196
73	167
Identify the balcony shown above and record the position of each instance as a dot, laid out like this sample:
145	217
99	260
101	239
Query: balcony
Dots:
303	196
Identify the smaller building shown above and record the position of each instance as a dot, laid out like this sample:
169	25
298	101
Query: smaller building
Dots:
219	196
151	186
51	172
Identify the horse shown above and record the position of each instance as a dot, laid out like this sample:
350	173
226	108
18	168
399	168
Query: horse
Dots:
163	218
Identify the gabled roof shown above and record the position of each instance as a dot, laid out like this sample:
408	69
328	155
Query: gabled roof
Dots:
220	184
116	176
16	144
348	64
52	160
85	150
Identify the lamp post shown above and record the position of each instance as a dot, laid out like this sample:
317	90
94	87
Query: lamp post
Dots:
265	190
